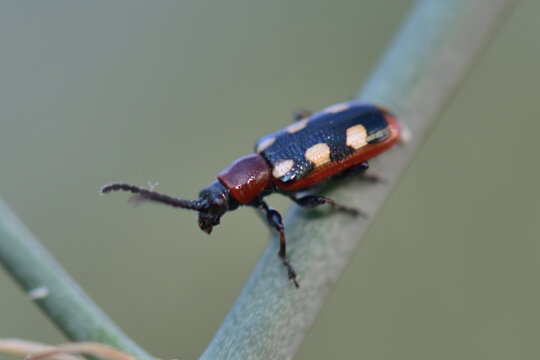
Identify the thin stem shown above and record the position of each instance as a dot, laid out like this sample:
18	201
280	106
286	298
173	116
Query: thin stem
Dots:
53	290
421	70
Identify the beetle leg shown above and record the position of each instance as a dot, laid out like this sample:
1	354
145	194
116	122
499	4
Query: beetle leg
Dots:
301	114
311	201
360	171
274	220
355	170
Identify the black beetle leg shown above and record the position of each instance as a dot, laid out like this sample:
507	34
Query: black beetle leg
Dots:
274	220
311	201
301	114
354	171
360	171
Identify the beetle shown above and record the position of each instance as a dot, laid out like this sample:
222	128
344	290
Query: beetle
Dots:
335	142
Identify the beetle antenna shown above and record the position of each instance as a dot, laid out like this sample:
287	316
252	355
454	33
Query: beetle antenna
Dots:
152	196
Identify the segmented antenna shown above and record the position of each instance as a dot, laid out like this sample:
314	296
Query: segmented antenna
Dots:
153	196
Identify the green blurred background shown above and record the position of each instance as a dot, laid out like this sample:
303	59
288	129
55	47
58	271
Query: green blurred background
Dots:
94	92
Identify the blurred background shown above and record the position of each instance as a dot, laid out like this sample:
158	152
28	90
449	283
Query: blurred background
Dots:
172	92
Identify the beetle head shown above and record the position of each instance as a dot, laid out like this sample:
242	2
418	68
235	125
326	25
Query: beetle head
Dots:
214	201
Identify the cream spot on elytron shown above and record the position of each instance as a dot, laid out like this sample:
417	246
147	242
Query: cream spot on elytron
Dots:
265	144
356	136
336	108
318	154
297	126
282	168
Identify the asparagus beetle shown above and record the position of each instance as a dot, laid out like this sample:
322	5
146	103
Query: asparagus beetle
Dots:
335	142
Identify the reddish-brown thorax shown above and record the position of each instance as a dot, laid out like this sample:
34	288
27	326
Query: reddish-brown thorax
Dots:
247	177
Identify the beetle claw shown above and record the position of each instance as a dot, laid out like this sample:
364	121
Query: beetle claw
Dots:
293	277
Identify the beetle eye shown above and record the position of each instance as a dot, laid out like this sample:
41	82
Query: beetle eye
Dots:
218	203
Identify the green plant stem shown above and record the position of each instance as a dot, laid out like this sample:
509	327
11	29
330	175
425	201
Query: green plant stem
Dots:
54	291
421	70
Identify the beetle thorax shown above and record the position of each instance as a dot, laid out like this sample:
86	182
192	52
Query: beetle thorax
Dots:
247	178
